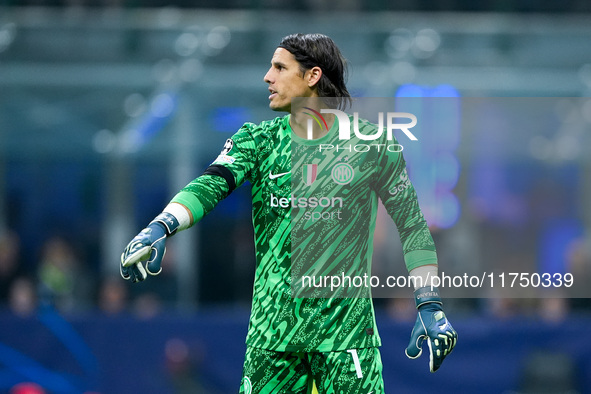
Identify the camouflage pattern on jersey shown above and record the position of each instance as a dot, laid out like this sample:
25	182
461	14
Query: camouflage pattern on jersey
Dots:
262	154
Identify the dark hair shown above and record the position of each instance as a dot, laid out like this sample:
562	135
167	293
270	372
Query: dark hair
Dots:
311	50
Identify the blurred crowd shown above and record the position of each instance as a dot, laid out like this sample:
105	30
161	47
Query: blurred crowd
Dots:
62	280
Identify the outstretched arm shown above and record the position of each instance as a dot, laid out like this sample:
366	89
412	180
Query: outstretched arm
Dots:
143	255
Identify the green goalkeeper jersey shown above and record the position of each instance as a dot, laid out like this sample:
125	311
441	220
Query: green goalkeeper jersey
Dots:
314	210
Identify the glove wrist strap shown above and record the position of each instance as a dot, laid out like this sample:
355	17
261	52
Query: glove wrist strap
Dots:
169	221
427	295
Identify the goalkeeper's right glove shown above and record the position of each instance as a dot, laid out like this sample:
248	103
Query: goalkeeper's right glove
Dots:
148	247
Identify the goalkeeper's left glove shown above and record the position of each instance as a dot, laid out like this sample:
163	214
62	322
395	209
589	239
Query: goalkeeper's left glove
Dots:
432	325
149	247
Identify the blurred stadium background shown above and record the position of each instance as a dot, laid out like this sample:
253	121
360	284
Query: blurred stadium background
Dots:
108	107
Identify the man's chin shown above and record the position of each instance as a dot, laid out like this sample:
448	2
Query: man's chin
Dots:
279	108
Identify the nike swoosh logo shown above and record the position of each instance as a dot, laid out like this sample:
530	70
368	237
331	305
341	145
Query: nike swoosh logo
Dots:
273	176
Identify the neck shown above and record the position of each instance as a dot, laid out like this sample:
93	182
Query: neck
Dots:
309	124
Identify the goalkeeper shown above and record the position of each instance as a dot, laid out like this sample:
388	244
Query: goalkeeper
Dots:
294	344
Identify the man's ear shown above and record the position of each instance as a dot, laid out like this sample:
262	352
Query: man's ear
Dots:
313	76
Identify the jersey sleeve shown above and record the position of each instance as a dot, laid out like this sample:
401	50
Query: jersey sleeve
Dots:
400	200
230	169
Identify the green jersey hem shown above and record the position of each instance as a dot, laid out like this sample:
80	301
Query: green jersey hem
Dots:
324	347
190	201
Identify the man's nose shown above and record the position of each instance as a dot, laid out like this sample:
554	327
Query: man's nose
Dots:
267	77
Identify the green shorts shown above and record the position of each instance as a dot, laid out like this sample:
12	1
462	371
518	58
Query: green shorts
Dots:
347	372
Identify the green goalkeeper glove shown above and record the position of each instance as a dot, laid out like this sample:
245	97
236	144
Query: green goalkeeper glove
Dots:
149	247
432	325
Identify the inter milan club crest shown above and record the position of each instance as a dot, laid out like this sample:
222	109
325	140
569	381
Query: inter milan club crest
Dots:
310	171
342	173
